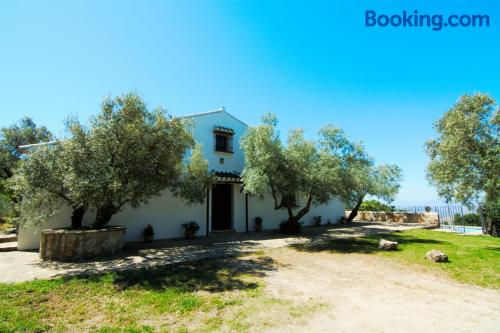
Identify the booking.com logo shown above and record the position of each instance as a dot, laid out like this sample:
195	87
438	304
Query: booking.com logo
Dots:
436	21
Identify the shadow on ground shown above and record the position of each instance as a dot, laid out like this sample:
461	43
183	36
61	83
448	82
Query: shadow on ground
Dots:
364	245
212	275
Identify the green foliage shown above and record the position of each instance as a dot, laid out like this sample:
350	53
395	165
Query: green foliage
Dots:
11	138
375	206
4	206
44	182
467	219
135	154
358	173
14	136
195	179
465	157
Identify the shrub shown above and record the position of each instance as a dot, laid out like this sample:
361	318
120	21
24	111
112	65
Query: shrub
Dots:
467	219
375	206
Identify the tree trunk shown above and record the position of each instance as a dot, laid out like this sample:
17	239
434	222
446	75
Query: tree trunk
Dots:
291	217
77	217
103	216
493	227
292	226
355	210
491	217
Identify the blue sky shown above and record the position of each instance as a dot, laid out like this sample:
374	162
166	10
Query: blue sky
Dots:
310	62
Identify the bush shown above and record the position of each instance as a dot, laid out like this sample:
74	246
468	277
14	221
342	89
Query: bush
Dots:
467	219
375	206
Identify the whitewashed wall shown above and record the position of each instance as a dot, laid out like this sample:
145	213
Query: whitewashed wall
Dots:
167	214
272	218
203	133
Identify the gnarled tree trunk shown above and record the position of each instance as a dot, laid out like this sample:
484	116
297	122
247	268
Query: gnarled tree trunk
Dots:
493	227
354	211
293	223
103	216
77	217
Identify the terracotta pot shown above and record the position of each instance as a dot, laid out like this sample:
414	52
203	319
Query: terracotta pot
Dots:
258	226
148	239
189	233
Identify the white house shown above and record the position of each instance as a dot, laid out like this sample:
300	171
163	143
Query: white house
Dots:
226	208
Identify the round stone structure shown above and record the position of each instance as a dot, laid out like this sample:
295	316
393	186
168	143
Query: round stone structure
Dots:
67	244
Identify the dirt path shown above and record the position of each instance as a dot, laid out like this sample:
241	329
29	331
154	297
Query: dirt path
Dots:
363	293
19	266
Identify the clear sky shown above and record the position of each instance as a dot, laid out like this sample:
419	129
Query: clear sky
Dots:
309	62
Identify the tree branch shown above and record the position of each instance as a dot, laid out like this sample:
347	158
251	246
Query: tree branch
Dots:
305	210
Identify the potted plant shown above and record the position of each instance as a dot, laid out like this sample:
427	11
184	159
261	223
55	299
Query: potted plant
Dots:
148	234
317	221
258	223
190	229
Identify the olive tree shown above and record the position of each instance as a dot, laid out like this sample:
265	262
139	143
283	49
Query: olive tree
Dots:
381	181
127	155
136	153
465	156
358	175
46	180
300	168
11	138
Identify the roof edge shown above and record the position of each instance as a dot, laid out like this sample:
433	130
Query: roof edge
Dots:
38	144
222	109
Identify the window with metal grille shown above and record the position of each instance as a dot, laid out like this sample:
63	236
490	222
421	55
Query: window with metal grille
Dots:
224	142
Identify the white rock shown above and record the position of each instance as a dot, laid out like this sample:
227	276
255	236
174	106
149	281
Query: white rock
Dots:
436	256
384	244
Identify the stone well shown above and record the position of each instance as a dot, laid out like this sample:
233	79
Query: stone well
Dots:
67	244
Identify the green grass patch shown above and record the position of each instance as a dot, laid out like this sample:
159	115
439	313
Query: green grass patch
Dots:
202	296
473	259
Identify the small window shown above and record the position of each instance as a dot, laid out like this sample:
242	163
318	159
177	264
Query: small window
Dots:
223	142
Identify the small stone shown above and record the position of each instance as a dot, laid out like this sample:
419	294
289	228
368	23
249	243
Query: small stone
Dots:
386	245
436	256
